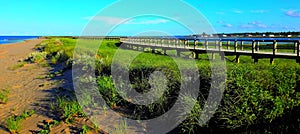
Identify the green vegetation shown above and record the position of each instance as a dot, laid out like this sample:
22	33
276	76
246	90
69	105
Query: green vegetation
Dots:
4	96
13	123
47	127
36	57
17	66
256	95
85	129
69	109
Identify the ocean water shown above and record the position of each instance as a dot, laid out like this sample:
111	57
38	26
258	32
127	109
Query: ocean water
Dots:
15	39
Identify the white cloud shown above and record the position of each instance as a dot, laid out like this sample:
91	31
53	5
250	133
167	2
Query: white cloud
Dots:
253	24
238	11
118	20
259	11
246	26
261	25
220	21
107	19
227	25
147	22
292	13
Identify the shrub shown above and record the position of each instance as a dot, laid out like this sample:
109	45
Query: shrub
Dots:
36	57
69	109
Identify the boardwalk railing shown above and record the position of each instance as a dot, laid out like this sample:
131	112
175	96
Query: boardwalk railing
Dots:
257	48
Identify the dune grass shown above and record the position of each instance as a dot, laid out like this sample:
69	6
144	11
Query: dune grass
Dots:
4	96
16	66
13	122
255	94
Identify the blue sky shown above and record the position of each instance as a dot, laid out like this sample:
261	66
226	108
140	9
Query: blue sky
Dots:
70	17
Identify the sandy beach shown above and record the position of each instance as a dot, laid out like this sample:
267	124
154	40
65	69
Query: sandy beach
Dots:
23	85
26	92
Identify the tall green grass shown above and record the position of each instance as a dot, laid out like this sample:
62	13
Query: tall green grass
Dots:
255	94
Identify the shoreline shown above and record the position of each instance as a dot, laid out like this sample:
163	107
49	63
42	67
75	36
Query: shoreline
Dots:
20	41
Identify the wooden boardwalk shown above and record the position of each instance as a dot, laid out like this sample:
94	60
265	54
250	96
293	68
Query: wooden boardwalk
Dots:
222	46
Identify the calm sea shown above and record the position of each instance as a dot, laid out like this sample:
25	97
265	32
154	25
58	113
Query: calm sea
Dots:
15	39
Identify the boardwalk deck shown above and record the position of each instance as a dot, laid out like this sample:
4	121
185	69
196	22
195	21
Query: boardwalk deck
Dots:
238	46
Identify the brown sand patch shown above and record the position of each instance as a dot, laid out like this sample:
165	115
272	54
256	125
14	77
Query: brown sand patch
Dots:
24	92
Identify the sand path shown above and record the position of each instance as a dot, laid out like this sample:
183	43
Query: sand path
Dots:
23	85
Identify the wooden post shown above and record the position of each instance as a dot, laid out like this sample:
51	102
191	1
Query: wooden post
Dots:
298	49
257	46
222	56
178	53
195	44
255	60
165	51
206	44
153	50
228	45
235	46
298	52
274	52
242	45
213	56
220	45
237	58
253	47
196	55
216	44
186	43
295	47
274	47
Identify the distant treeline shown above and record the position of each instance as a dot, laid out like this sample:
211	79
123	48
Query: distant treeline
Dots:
262	34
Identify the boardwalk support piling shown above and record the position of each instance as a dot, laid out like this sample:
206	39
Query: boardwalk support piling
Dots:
196	55
237	58
178	53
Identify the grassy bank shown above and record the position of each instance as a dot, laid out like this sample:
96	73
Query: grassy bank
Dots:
256	95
